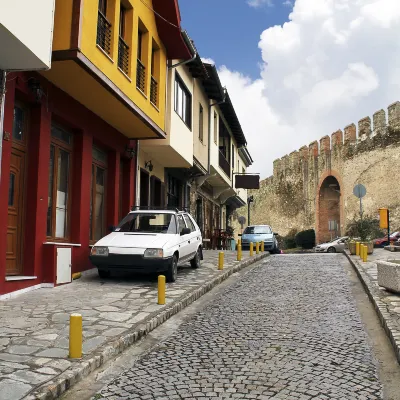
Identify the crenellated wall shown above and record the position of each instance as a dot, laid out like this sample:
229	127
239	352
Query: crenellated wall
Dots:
297	195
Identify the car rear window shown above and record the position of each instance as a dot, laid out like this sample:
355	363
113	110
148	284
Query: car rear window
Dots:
148	223
257	230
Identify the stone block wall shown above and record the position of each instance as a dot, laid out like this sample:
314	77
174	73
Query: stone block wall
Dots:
367	152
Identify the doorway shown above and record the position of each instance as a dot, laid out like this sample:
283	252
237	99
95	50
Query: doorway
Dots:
144	188
16	191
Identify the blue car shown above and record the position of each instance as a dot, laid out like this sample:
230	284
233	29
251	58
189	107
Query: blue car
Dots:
259	233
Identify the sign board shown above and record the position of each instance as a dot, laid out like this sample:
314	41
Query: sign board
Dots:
359	191
247	181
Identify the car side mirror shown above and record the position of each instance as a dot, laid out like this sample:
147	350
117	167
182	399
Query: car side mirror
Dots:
111	228
185	231
276	234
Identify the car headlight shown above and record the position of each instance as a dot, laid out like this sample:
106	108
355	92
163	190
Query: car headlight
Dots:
153	253
99	251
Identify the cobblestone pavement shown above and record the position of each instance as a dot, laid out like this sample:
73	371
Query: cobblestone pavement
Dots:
35	326
289	329
388	303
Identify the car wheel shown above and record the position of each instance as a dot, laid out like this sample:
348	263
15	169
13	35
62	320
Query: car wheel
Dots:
172	272
331	250
195	263
104	274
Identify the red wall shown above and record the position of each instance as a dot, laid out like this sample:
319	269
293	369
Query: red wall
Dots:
88	128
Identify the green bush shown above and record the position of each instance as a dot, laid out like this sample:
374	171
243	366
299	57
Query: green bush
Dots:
306	239
288	241
365	229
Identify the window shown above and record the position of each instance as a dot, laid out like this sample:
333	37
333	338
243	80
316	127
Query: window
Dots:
140	44
19	124
181	224
123	48
59	183
140	69
189	223
183	101
233	156
201	123
98	194
148	223
215	128
257	230
173	192
156	192
103	38
154	75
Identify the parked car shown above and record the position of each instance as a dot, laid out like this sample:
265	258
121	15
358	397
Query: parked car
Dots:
150	241
259	233
337	245
382	242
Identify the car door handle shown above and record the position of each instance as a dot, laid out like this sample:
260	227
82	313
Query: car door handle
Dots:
188	241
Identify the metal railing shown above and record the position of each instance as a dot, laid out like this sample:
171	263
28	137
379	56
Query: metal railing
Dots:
123	55
153	91
224	164
104	33
140	76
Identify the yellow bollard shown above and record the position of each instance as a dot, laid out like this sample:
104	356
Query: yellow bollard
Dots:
251	249
361	250
75	336
239	252
365	258
239	242
221	261
257	248
161	290
262	247
357	248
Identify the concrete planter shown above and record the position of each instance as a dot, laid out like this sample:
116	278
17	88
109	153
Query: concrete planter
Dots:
370	246
389	275
352	248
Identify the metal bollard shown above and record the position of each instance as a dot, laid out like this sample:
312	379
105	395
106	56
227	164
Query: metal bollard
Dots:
251	249
365	258
221	261
361	250
239	252
262	247
161	290
357	248
257	248
75	336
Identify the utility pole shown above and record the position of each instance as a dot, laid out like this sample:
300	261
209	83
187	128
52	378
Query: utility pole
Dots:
2	99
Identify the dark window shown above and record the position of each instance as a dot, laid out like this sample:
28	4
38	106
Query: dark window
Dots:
148	223
11	190
122	14
18	132
103	7
139	48
189	223
103	38
183	101
155	192
201	123
173	192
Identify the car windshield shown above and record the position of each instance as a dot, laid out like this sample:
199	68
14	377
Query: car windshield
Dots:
148	223
257	230
393	235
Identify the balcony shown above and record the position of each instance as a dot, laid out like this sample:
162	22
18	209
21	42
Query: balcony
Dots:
141	76
123	56
224	164
104	33
153	91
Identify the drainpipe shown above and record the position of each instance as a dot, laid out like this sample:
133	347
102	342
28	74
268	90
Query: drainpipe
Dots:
2	100
137	194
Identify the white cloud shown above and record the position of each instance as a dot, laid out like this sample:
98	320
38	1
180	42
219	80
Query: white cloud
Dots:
332	63
260	3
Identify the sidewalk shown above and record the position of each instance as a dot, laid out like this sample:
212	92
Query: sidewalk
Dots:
116	313
387	304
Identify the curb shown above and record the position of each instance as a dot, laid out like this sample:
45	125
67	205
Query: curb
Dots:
380	308
55	388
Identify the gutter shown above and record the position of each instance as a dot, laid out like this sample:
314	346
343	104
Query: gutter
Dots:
189	44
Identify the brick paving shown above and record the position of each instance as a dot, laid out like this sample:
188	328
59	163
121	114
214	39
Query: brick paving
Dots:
34	326
289	329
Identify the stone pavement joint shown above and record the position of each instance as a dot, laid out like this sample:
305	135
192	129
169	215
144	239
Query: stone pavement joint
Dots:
116	312
386	304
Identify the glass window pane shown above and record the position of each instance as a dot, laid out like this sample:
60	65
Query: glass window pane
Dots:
11	190
60	134
99	204
18	124
50	193
99	155
62	194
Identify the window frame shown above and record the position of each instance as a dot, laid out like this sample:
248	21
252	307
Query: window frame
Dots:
102	165
58	145
216	133
201	123
186	101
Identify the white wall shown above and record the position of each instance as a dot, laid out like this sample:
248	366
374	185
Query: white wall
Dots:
26	34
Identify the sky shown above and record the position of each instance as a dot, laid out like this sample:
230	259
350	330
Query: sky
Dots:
300	70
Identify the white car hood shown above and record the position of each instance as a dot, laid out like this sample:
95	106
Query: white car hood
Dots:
135	240
325	245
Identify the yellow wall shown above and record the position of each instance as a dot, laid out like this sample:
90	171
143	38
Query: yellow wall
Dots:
62	25
109	65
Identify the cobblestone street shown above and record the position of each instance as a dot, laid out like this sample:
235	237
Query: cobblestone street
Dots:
289	329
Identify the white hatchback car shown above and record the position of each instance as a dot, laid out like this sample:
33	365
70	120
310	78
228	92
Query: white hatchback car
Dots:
150	241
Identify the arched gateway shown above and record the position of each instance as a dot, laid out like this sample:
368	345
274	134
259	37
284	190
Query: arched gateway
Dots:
329	218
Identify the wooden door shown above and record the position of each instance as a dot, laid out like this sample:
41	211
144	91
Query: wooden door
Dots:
15	213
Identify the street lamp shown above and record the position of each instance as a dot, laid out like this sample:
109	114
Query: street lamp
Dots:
249	200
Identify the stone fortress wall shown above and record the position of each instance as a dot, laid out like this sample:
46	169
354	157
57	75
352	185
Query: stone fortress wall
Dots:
302	194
